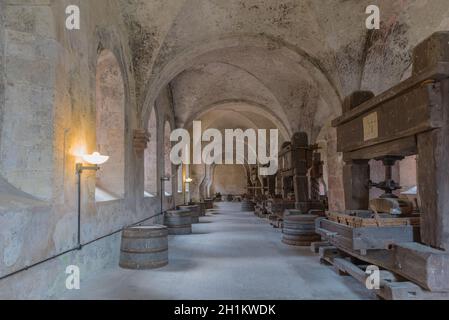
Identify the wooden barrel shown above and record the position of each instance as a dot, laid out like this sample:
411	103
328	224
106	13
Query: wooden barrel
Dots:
178	222
202	205
247	205
209	203
194	212
144	247
292	212
299	230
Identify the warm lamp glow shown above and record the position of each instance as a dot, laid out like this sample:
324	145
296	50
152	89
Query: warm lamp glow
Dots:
189	180
95	158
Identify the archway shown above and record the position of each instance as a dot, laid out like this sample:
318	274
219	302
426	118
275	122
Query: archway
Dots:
110	127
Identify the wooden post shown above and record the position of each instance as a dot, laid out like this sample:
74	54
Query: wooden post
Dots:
356	175
301	158
433	180
271	185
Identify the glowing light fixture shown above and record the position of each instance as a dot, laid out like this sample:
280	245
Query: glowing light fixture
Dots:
187	181
95	158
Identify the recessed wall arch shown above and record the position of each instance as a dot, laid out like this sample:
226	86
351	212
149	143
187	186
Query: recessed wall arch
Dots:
110	102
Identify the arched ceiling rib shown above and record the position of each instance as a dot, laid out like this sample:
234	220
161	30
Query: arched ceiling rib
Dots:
325	45
259	114
285	78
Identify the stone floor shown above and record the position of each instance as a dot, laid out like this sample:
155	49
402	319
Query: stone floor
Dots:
231	255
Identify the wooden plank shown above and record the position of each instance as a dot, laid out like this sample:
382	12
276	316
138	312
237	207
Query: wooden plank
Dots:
392	287
315	246
341	242
427	266
429	52
338	228
437	72
360	219
405	115
401	147
371	238
387	259
401	291
389	286
355	99
328	253
351	269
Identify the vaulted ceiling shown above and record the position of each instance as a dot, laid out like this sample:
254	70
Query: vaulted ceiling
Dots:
293	60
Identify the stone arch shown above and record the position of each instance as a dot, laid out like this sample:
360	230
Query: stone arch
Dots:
110	127
246	105
160	78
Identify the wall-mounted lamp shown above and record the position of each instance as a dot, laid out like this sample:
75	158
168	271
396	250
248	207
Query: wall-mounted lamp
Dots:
163	179
187	181
95	159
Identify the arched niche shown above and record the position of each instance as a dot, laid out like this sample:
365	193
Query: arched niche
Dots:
168	185
110	127
150	158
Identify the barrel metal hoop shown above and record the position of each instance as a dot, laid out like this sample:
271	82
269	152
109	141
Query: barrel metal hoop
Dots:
147	251
146	237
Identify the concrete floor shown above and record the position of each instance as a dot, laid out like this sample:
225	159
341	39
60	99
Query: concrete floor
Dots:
231	255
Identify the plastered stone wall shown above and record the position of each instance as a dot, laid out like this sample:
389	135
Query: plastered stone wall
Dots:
2	66
48	121
229	179
26	152
408	173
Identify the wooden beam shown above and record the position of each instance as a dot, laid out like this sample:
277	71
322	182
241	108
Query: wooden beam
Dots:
427	266
404	116
433	180
437	72
401	147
